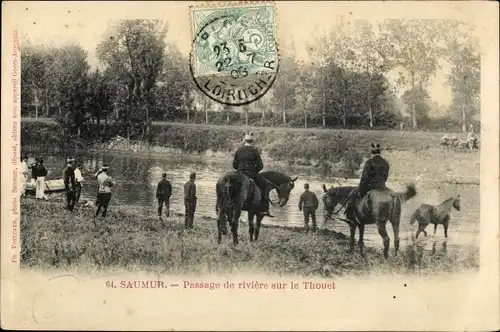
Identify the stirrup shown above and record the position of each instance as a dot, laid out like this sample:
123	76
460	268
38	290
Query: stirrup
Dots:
267	214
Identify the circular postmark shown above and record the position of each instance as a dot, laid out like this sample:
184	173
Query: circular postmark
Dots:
234	57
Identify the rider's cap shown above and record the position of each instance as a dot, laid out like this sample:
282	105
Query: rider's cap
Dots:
104	167
375	149
70	160
249	137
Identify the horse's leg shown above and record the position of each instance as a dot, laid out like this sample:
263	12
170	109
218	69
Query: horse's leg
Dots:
219	227
361	242
445	225
234	225
435	228
385	238
352	228
257	228
395	228
251	229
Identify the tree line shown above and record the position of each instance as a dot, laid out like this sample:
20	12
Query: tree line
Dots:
345	83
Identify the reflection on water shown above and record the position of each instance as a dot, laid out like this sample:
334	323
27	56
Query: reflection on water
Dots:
137	176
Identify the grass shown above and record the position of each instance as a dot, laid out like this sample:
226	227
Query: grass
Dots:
133	240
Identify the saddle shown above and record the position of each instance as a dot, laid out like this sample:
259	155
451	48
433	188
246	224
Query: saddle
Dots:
254	196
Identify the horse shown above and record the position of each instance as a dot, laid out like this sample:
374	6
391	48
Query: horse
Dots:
426	214
236	192
377	207
334	196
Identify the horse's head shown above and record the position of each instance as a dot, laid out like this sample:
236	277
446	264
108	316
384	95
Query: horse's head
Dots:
329	202
284	189
456	203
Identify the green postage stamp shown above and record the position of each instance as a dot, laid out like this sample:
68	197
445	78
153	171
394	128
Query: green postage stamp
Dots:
234	57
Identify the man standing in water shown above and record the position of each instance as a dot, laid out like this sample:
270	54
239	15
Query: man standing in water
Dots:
248	161
374	176
190	200
70	184
104	191
308	204
163	193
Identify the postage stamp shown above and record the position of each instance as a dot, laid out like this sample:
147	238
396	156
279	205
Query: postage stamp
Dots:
164	167
234	58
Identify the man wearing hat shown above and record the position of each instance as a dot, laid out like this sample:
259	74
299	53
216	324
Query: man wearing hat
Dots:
374	176
190	200
163	193
104	192
24	174
248	161
70	184
40	172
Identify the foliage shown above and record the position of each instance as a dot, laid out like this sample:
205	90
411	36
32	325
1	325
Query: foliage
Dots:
345	84
464	80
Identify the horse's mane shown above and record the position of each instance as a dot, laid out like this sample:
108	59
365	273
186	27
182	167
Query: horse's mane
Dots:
445	207
276	176
335	190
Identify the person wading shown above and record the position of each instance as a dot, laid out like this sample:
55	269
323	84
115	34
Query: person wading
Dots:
105	183
163	193
374	176
40	172
70	184
248	161
79	182
190	200
308	204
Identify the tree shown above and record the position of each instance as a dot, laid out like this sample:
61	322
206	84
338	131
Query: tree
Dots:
285	86
465	81
416	46
419	99
134	55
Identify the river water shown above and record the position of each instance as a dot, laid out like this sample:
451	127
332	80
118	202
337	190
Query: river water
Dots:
138	174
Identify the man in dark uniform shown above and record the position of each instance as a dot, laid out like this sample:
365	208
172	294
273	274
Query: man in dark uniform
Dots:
374	176
248	161
190	201
163	193
70	185
308	204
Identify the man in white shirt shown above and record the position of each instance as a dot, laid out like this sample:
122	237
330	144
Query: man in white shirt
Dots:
104	191
79	181
24	174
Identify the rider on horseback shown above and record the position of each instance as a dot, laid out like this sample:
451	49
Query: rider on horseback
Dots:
374	176
248	161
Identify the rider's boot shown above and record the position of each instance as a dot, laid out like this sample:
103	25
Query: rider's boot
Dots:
265	204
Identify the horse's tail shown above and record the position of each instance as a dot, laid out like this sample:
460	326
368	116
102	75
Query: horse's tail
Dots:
231	189
411	191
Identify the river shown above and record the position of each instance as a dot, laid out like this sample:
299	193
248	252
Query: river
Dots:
137	175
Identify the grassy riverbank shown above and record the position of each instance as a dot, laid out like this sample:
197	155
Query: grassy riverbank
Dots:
137	240
329	149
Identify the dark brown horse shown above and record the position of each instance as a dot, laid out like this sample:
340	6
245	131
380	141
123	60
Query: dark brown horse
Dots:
236	193
334	196
378	207
438	215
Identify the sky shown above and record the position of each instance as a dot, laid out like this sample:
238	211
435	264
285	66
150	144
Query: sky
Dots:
298	22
